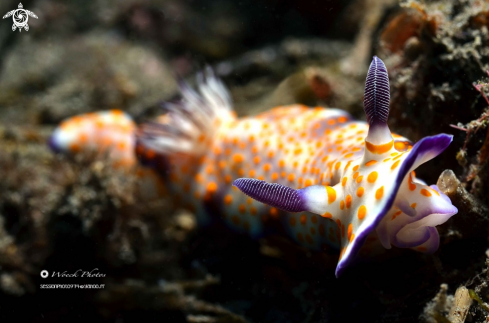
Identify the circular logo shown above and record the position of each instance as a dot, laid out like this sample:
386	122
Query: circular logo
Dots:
44	274
20	18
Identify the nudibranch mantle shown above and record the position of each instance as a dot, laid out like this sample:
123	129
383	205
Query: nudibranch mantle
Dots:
325	179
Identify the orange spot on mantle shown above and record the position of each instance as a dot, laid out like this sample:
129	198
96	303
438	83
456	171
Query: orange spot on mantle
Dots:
379	149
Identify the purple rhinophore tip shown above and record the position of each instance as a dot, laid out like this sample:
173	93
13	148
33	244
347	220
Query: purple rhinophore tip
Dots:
377	93
273	194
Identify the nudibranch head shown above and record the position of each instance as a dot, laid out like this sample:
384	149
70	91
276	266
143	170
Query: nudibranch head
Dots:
379	193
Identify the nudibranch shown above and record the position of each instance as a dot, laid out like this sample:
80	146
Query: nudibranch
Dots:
316	174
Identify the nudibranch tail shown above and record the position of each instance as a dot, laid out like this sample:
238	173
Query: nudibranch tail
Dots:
108	133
